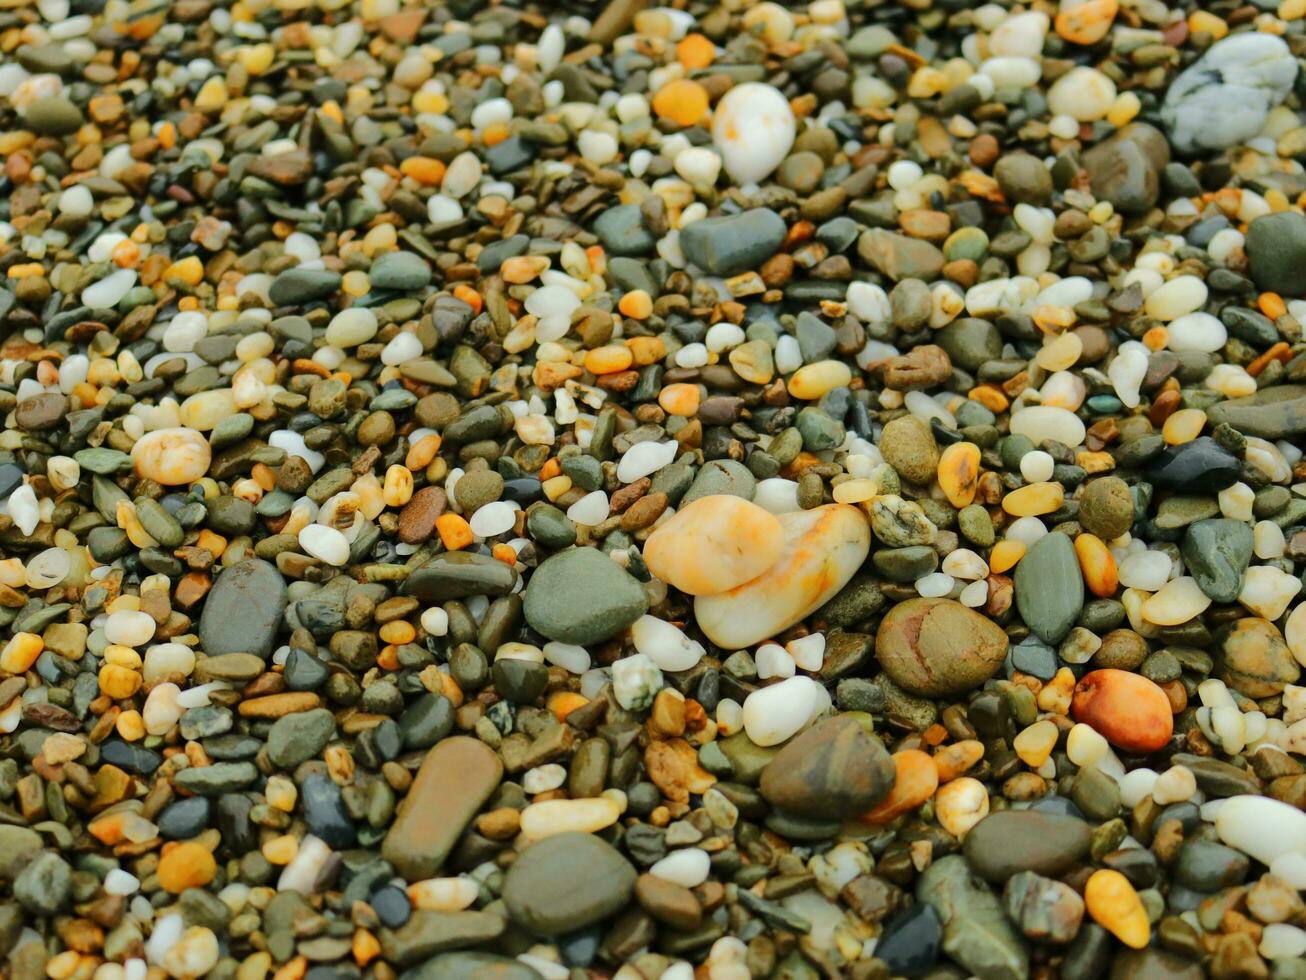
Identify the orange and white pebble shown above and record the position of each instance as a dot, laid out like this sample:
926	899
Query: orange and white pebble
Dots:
960	805
823	548
585	816
172	457
916	778
443	894
714	544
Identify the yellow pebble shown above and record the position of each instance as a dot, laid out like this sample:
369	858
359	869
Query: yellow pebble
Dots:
1202	22
608	360
855	491
1183	426
958	473
1035	744
188	271
1061	353
212	95
257	58
131	726
1124	109
119	682
1116	907
1005	554
281	850
556	486
811	381
679	399
398	486
1292	9
1034	500
281	794
21	652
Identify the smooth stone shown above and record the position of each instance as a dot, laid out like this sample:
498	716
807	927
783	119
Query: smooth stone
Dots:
565	883
824	548
428	932
1050	587
1044	909
910	942
217	779
44	885
1273	413
298	737
937	647
733	243
1200	466
297	286
1126	169
17	846
243	610
582	596
1256	661
455	779
399	270
1262	827
900	257
1216	554
622	231
833	770
1224	97
472	966
1276	247
53	115
714	544
976	931
1009	841
325	813
185	819
1206	866
1153	963
720	477
908	445
753	128
459	574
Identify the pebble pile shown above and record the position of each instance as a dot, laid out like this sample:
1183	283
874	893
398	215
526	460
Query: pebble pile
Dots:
607	491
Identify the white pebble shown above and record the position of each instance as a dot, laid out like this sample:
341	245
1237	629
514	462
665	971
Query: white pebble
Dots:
496	517
130	627
1036	466
326	544
591	509
403	346
808	651
107	292
773	661
665	645
645	459
687	866
1198	332
775	713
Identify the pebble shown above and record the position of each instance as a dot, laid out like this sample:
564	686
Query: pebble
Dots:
1131	711
1225	96
753	127
615	599
936	647
714	544
567	882
732	244
833	770
824	547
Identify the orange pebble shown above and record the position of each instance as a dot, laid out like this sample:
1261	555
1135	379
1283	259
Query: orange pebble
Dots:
1005	554
916	780
1272	305
186	865
647	350
398	631
1098	565
609	359
1156	338
365	947
563	703
469	296
427	171
1129	710
953	760
695	51
454	531
636	304
1087	23
679	399
681	101
422	452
